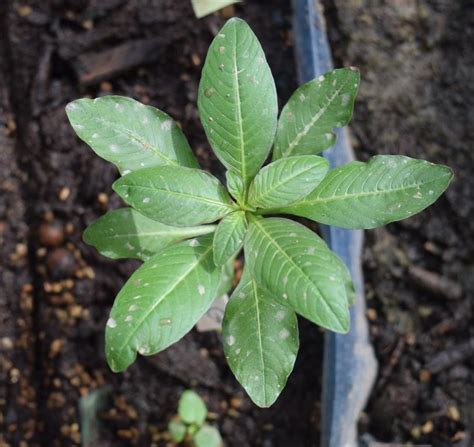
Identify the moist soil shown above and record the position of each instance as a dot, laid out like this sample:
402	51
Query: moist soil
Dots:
55	292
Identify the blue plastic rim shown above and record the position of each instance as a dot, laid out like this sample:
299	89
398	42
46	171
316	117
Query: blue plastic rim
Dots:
349	363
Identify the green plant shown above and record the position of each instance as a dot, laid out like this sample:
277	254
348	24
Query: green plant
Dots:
190	424
289	269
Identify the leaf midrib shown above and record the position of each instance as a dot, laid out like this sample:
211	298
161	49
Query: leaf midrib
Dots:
259	333
127	133
313	121
234	225
287	180
274	242
336	198
208	230
184	194
235	80
160	300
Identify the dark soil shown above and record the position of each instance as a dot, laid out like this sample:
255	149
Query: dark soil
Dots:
55	292
417	99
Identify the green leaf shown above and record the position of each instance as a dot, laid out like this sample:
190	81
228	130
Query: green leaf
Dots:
237	100
175	195
192	408
161	301
229	237
298	269
313	111
235	186
227	277
129	134
287	180
260	341
177	431
368	195
208	436
125	233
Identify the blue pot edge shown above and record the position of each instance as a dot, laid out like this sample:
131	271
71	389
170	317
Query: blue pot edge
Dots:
350	366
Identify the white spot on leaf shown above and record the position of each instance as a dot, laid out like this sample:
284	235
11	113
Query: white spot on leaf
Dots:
284	334
194	243
111	323
280	315
345	99
166	125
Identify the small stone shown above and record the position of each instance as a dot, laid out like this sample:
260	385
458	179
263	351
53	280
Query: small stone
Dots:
88	24
371	314
75	311
64	193
21	250
453	413
55	347
102	198
235	402
106	86
427	427
69	228
425	376
24	10
196	59
6	343
60	263
51	234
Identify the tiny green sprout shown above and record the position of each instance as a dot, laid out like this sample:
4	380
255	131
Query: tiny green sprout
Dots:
188	227
190	423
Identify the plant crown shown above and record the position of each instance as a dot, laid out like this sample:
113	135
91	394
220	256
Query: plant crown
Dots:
188	228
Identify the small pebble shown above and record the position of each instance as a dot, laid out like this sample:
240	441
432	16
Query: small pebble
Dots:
51	234
60	263
371	314
425	376
102	198
427	427
453	413
64	193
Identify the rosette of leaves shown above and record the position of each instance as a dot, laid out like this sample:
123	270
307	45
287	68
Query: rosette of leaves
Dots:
188	227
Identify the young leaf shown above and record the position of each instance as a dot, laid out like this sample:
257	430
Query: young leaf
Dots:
298	269
177	431
229	237
161	302
129	134
208	436
191	408
237	100
125	233
287	180
175	195
367	195
313	111
260	341
235	186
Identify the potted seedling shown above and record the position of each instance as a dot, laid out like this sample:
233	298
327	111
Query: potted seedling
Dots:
188	228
